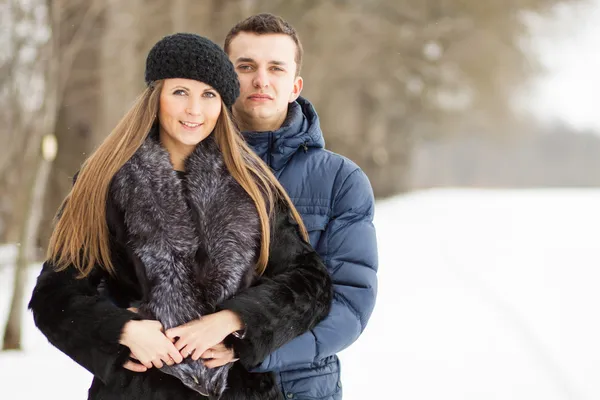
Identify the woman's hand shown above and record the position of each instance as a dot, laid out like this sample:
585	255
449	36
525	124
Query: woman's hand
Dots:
197	337
148	345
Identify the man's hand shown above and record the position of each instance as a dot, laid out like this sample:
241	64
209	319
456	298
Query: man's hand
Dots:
199	337
217	356
134	365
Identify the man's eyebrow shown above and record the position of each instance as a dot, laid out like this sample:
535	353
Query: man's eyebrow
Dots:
251	60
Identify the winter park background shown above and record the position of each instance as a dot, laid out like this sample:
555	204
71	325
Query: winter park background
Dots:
489	250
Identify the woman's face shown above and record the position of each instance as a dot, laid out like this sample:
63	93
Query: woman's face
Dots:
188	113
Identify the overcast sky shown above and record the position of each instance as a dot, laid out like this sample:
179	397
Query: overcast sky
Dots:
569	47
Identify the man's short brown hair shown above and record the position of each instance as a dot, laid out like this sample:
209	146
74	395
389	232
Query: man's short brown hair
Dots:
262	24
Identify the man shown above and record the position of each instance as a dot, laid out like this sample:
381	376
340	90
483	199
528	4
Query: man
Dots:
332	194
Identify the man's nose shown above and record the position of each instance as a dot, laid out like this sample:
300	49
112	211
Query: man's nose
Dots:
261	79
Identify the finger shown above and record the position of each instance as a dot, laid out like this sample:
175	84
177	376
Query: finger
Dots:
132	356
186	351
213	353
214	363
133	309
159	326
220	347
135	367
208	354
157	363
225	357
175	355
147	364
167	360
197	354
173	333
180	343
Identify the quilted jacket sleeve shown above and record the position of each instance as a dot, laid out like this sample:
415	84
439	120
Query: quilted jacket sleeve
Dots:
349	250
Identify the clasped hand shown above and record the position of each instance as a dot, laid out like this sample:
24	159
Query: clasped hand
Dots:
151	346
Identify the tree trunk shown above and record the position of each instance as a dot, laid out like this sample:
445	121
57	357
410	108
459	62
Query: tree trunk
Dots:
26	249
37	171
120	65
77	127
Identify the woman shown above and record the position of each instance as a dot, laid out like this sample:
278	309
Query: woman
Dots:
173	212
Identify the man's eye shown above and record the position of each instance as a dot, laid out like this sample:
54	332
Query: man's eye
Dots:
245	67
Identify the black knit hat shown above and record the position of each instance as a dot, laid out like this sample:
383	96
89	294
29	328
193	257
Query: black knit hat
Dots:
191	56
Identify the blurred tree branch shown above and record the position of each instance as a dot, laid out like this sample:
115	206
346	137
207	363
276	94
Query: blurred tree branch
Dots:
53	62
383	74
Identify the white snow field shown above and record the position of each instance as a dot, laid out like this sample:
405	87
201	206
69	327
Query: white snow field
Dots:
482	295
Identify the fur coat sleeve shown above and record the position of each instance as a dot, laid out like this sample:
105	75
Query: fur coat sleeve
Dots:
76	320
290	298
86	325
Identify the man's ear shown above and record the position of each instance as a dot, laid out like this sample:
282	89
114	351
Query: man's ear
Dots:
298	83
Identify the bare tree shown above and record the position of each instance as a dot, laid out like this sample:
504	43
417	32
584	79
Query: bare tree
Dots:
12	332
384	75
51	64
26	71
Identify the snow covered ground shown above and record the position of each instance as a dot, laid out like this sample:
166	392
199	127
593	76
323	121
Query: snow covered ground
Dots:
483	295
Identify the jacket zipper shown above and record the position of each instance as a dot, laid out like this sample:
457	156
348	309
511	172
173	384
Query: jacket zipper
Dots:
269	149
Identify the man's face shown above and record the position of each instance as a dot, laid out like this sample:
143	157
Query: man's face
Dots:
266	68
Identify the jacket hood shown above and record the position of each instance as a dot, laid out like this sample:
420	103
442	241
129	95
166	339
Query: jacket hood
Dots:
300	131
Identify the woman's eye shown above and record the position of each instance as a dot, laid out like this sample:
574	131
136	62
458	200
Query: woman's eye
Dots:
179	92
209	94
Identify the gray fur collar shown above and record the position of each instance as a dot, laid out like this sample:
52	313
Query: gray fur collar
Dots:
198	239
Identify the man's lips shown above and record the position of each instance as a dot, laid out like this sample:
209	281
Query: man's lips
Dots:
260	97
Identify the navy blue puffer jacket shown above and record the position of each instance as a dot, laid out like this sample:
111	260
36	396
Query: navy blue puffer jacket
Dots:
335	199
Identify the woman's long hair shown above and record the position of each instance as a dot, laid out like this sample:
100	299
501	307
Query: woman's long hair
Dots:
80	237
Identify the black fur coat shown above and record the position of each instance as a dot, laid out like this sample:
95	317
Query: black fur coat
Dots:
183	249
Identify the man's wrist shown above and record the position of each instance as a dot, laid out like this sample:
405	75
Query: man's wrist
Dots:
235	323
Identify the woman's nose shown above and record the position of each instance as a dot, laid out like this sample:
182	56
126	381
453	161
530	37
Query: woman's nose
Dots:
193	108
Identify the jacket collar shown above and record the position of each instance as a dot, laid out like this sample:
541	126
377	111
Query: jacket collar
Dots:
299	132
